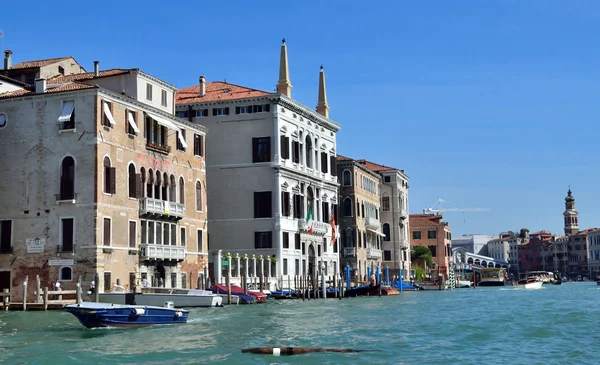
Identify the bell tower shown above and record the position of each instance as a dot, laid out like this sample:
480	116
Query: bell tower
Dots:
570	215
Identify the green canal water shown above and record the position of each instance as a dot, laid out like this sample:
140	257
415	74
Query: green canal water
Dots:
554	325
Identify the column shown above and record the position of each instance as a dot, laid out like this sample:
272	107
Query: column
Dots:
254	265
237	263
218	267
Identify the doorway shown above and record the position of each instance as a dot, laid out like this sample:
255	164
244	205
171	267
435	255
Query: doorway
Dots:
311	260
4	280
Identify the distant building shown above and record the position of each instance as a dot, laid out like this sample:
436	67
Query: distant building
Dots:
571	217
101	178
505	248
29	71
473	243
530	253
359	218
429	231
593	244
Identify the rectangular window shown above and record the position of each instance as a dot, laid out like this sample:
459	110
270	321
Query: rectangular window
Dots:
198	145
107	117
297	241
66	120
182	236
132	234
243	109
131	127
295	152
261	108
285	266
151	232
201	113
326	212
297	267
416	235
106	232
385	203
298	206
173	235
220	111
431	235
110	182
284	147
286	240
333	165
387	255
6	236
107	282
148	92
163	97
199	240
144	225
182	114
387	179
286	206
261	149
180	136
263	239
262	204
184	280
166	235
324	162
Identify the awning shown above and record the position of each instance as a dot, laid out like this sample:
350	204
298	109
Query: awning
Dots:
181	139
67	111
376	232
163	121
108	114
131	121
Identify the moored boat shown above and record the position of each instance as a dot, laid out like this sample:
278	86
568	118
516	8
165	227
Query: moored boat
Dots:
93	315
491	277
158	296
432	286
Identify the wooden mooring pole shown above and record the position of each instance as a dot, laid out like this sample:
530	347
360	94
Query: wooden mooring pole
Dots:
96	288
45	298
25	292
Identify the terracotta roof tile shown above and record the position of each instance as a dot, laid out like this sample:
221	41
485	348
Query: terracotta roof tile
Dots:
12	81
375	167
89	75
38	63
425	220
342	158
216	91
71	86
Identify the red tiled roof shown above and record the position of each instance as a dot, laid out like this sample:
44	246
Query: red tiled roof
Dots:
89	75
424	220
586	231
342	158
216	91
38	63
375	167
71	86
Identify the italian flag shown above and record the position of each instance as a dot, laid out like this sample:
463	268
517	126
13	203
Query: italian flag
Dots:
309	220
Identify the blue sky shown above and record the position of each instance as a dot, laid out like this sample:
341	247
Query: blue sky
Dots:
489	104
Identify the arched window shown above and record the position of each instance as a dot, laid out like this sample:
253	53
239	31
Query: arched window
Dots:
172	190
349	238
181	191
150	184
132	181
143	180
157	185
65	274
347	207
386	231
67	178
309	150
198	196
109	177
347	178
164	186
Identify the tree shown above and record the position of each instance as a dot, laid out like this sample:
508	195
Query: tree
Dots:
421	253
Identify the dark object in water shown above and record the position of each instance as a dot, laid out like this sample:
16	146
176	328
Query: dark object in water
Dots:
289	351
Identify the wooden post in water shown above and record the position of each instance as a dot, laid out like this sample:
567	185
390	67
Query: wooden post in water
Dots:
78	290
45	298
25	292
6	299
38	289
96	288
228	279
245	282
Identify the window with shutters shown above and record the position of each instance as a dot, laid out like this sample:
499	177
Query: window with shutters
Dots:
261	149
243	109
284	147
110	183
263	239
133	182
182	237
6	236
326	212
295	152
132	234
298	206
179	144
198	145
201	113
172	189
332	162
220	111
297	241
286	206
199	204
386	232
67	179
67	235
262	204
324	162
181	190
106	231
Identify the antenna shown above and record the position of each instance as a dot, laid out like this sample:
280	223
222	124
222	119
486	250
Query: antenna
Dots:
1	40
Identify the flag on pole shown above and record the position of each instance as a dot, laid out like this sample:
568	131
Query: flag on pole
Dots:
309	219
332	222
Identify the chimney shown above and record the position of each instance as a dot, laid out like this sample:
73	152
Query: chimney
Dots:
7	59
40	86
202	85
96	71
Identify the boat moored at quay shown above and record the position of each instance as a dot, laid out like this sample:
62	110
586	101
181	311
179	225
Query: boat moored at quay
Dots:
491	277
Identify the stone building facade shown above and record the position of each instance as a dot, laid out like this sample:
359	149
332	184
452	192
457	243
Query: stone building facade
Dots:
106	180
360	210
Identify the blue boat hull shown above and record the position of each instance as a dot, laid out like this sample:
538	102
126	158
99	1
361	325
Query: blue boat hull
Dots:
93	315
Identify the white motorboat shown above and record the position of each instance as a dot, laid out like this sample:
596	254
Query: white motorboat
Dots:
159	296
432	286
529	284
463	283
